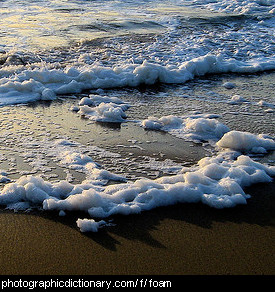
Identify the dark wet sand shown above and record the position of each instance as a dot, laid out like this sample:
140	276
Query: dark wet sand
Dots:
185	239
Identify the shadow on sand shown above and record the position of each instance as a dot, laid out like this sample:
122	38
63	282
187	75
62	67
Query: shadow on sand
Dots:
260	210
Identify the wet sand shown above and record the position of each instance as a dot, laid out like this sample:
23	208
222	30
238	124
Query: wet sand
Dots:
186	239
177	240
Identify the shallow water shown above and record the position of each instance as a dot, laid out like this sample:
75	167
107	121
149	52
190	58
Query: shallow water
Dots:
27	132
95	44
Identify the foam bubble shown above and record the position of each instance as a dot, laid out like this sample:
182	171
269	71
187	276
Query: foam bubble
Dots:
195	128
246	142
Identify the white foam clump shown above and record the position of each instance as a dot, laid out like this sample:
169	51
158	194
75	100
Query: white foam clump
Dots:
81	162
246	142
76	160
3	177
265	104
48	94
98	99
95	100
192	128
86	101
102	108
163	123
105	112
89	225
237	99
240	6
35	84
216	181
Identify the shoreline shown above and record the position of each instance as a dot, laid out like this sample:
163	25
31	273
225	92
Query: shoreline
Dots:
184	239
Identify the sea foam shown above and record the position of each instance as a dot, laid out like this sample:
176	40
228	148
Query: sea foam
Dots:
47	84
195	128
217	181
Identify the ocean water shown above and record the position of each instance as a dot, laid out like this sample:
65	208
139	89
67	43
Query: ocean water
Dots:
177	99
